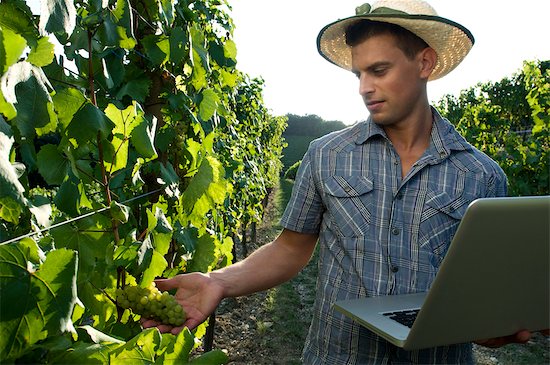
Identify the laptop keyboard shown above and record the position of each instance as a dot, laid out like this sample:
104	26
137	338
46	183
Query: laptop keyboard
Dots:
405	317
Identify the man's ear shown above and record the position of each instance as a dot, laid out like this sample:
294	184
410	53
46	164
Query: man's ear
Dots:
428	59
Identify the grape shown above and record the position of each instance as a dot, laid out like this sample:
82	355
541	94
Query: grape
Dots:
151	303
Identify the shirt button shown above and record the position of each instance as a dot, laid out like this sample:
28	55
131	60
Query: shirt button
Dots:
394	268
399	196
395	231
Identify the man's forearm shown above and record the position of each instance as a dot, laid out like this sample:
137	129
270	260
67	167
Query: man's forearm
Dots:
269	266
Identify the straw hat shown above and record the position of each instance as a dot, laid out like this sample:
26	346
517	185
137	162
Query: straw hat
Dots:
450	40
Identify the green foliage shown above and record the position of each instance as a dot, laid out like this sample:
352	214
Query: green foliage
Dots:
311	126
290	173
301	131
510	121
142	147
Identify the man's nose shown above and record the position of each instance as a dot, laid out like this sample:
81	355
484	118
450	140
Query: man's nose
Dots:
366	85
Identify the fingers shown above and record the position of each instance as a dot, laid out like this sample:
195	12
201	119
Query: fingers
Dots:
163	328
166	284
519	337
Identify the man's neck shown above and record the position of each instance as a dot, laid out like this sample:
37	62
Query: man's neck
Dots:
411	138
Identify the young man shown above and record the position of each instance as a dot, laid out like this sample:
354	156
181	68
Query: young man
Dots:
383	198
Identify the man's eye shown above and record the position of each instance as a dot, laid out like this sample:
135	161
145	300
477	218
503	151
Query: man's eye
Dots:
379	71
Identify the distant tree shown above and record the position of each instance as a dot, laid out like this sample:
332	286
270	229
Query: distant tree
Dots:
311	125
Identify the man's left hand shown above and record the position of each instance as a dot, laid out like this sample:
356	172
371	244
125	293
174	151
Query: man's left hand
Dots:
519	337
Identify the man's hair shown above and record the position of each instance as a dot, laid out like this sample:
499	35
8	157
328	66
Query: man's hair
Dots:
364	29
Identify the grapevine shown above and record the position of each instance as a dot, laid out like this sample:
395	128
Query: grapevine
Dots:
151	303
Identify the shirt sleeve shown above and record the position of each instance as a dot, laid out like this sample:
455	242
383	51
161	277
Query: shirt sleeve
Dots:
305	208
497	184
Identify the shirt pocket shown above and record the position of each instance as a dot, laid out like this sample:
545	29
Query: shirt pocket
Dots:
349	202
441	216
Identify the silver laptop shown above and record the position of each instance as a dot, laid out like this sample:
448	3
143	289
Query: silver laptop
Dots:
494	281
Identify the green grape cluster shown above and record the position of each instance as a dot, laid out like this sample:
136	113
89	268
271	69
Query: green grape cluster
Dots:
151	303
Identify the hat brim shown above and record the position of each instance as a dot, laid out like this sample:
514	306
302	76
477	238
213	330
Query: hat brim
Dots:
450	40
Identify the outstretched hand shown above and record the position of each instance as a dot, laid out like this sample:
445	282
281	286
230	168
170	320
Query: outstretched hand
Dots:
197	293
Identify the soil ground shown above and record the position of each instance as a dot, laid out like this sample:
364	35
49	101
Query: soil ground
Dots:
270	327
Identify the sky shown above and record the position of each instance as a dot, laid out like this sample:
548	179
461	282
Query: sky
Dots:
276	40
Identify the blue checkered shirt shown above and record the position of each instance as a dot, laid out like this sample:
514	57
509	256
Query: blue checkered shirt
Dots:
379	233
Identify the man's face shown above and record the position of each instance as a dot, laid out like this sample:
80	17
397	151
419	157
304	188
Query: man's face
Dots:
392	85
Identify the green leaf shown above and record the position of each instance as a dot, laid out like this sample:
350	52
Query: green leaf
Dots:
208	104
87	123
230	49
143	137
6	108
154	267
126	254
12	46
178	44
120	212
214	357
167	12
139	350
116	30
11	189
88	236
45	298
58	16
204	257
17	16
66	103
42	53
83	353
157	49
187	237
97	336
71	197
10	210
125	121
178	349
26	86
206	189
52	164
137	89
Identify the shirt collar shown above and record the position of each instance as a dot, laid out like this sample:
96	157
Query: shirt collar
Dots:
444	137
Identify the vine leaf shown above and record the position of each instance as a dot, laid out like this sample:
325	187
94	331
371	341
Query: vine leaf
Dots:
178	349
71	196
45	297
57	16
140	349
10	187
143	137
52	165
87	122
88	237
42	54
125	121
26	86
208	104
214	357
67	102
116	29
12	46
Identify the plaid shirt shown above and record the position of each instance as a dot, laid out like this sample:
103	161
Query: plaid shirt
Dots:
379	233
